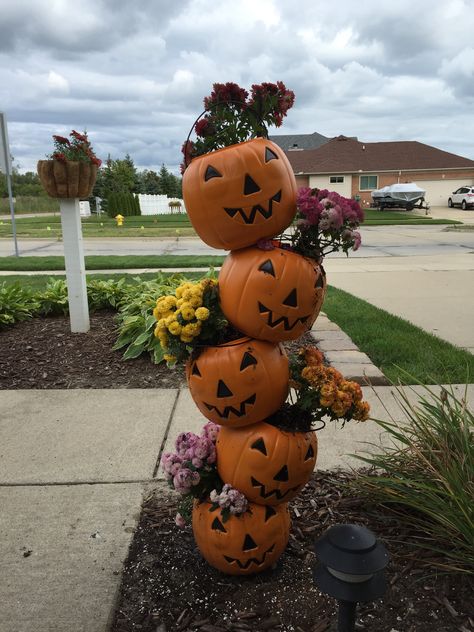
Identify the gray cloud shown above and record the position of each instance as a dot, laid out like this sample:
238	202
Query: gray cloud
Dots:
135	74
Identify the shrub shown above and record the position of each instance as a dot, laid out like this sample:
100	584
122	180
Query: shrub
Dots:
136	322
427	476
16	303
53	300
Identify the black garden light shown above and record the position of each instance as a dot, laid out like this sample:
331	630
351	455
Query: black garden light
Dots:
350	568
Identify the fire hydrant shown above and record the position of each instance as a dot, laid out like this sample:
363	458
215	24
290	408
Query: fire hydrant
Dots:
119	219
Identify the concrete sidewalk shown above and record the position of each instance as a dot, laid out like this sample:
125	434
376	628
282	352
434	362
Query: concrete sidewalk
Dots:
73	468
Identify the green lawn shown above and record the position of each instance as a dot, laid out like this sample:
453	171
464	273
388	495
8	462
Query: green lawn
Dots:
374	217
174	225
396	346
118	262
401	350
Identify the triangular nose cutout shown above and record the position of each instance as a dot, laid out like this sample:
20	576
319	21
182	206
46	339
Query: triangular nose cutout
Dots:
292	299
250	186
282	475
248	543
223	390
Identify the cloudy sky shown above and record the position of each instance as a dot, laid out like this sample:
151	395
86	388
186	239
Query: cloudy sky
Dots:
134	73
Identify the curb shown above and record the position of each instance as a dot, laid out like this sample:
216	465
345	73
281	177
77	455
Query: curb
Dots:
344	355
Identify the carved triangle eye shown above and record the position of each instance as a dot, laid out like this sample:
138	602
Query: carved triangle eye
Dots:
247	360
223	390
309	453
269	512
259	445
211	172
267	266
248	543
282	475
270	155
292	299
218	526
250	186
319	282
196	370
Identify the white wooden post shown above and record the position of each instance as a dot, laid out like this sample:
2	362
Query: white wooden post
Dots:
75	268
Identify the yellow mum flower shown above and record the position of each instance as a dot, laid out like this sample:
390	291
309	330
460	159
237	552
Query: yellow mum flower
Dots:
170	302
179	302
193	329
157	313
170	319
163	338
187	312
202	313
186	338
195	301
169	358
174	328
161	324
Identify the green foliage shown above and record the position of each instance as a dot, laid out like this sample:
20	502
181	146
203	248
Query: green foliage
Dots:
102	294
16	303
427	476
149	182
123	203
136	323
53	300
401	350
169	184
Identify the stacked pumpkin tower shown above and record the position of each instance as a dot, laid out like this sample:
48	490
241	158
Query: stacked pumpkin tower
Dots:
240	198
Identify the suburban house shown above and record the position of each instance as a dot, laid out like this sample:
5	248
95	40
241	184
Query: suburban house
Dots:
354	168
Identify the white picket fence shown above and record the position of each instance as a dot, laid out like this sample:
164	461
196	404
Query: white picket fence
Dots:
158	205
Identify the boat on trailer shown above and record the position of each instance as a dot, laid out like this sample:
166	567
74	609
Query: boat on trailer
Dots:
407	195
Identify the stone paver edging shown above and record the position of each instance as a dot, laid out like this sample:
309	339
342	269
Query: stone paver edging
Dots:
342	354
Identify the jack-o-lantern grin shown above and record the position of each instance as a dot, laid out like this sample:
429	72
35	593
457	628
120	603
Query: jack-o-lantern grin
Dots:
237	412
273	321
276	492
253	560
249	216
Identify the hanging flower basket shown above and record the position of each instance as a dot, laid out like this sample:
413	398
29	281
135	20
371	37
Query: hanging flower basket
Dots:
67	179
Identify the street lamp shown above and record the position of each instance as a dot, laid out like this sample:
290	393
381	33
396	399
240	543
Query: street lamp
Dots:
350	567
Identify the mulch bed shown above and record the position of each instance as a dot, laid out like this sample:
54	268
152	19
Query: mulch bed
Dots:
167	586
43	353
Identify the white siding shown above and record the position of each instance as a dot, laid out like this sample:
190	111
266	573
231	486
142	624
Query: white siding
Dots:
322	182
438	191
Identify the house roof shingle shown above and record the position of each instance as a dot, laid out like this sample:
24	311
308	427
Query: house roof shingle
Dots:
345	155
299	141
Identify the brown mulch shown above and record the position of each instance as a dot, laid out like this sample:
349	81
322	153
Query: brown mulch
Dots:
43	353
167	586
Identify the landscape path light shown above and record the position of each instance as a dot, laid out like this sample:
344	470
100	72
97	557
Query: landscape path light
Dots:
350	568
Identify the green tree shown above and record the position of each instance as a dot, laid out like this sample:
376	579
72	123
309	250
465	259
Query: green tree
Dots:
149	182
170	185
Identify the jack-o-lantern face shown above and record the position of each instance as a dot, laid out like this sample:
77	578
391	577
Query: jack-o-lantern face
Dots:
239	383
269	466
272	295
245	544
240	194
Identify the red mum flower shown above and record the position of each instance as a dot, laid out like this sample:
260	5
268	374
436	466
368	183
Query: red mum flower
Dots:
61	140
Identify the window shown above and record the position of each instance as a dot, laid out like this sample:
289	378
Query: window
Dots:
367	183
336	179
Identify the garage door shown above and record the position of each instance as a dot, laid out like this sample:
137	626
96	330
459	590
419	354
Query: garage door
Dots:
438	191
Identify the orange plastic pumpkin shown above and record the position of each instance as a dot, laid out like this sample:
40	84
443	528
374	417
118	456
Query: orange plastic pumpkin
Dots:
268	465
240	194
245	544
272	295
239	383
